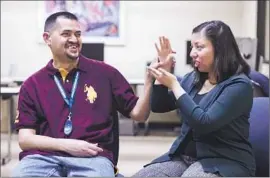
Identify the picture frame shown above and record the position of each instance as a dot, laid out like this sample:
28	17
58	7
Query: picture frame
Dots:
101	21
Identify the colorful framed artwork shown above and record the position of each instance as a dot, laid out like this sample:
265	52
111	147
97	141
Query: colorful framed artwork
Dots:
101	21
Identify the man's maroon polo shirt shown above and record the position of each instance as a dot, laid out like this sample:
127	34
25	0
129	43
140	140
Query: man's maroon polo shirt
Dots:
42	107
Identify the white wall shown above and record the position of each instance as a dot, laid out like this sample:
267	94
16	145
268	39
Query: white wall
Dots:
267	31
249	22
265	66
145	22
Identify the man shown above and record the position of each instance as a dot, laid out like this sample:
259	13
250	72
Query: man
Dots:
64	109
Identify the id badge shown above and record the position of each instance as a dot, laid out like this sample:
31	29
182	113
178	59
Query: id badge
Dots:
68	127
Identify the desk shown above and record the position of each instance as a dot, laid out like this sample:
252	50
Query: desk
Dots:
134	84
129	126
136	81
6	80
9	92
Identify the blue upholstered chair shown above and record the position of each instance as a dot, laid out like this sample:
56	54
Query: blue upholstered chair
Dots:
259	134
261	81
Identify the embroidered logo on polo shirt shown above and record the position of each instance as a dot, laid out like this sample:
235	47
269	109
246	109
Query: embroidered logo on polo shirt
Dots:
91	93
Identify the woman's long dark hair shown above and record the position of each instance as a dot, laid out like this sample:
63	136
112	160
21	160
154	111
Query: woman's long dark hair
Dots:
228	60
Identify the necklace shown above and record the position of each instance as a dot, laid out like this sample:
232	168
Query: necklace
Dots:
208	83
207	87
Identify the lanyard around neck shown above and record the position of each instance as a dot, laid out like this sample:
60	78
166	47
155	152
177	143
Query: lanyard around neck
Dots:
69	101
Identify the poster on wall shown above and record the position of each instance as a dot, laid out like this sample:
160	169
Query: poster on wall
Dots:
101	21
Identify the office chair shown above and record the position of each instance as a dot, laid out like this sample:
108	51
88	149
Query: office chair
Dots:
259	134
115	132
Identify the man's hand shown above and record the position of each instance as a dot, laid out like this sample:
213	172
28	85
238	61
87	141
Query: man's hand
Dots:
79	148
28	140
154	64
165	54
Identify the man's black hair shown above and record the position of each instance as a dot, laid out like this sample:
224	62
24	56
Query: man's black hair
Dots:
50	21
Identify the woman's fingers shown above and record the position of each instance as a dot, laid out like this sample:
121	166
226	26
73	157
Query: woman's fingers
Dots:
161	42
163	72
154	72
158	50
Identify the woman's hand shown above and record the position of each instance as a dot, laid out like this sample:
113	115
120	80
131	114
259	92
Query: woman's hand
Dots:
167	79
165	54
163	77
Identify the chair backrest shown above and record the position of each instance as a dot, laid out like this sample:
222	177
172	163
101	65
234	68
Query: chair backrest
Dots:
261	80
115	136
259	134
115	132
257	90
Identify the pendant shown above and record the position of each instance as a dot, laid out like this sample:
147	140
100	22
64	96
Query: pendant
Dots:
68	127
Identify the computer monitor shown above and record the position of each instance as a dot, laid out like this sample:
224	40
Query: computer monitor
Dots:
93	51
188	50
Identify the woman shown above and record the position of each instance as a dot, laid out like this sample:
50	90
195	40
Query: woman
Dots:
214	101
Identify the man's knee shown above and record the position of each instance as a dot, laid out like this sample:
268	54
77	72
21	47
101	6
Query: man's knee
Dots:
16	172
36	165
22	169
196	170
106	167
90	167
164	169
